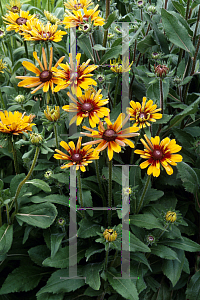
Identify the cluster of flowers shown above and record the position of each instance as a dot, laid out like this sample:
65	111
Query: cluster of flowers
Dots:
89	104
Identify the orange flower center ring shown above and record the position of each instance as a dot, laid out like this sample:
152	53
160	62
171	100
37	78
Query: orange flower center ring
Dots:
21	21
76	157
109	135
45	76
157	154
87	107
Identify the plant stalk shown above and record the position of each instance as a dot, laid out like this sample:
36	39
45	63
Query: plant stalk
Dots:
116	90
7	214
80	191
23	182
2	101
26	49
143	194
106	31
15	158
110	193
106	260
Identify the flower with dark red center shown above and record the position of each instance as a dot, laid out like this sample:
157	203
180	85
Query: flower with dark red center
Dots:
161	70
110	235
77	156
17	20
143	114
75	77
77	4
88	105
112	137
157	153
43	78
13	6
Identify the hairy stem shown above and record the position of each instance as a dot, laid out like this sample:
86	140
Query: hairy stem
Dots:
110	193
116	90
15	157
143	193
106	31
80	190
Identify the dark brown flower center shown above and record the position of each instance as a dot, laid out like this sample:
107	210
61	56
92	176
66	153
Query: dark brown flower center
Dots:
87	107
157	154
46	35
14	9
109	135
21	21
85	27
142	115
76	157
46	75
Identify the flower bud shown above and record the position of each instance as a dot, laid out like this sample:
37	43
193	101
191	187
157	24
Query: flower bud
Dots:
140	4
20	99
161	70
110	235
111	36
50	17
177	80
127	191
171	216
52	114
86	27
61	221
118	30
152	9
150	239
36	138
48	174
2	33
155	55
100	78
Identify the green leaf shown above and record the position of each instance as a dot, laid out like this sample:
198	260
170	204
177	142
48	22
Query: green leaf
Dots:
39	215
40	184
188	176
87	229
38	254
58	284
48	296
6	238
164	252
147	221
176	32
61	177
22	279
56	240
179	7
1	184
186	80
112	53
91	272
145	44
116	174
124	287
164	120
92	250
84	44
184	244
173	268
193	289
137	245
61	258
112	17
55	198
15	182
137	256
99	47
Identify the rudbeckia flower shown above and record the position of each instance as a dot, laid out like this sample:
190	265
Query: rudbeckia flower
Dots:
78	18
87	106
144	113
44	78
77	4
15	123
13	6
35	30
77	156
112	137
15	20
76	79
120	66
110	235
158	153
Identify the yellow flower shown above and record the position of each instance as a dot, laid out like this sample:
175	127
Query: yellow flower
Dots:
52	115
44	78
89	104
2	66
110	235
143	114
76	79
13	6
15	123
158	153
53	19
77	18
35	30
15	20
112	137
171	216
120	66
77	4
77	156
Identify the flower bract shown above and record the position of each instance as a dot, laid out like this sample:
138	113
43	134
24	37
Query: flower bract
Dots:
88	105
143	114
15	123
112	137
157	153
45	78
76	155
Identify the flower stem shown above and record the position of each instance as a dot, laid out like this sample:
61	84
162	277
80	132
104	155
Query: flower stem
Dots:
163	231
110	193
143	194
7	213
161	96
15	158
47	47
101	187
80	190
106	31
56	135
23	182
0	218
26	49
2	101
116	90
11	53
106	260
1	9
